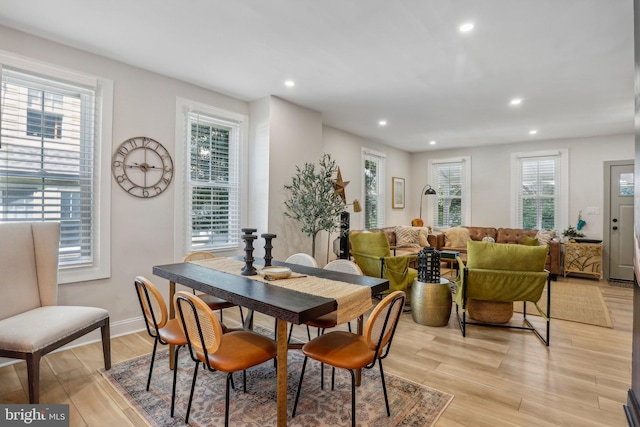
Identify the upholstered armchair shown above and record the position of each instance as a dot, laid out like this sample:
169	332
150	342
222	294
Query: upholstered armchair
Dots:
372	253
31	322
503	273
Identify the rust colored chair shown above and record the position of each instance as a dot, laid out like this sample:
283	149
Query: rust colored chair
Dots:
159	327
213	302
229	352
32	324
350	351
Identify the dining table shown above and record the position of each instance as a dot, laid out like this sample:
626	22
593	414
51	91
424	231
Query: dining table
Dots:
286	304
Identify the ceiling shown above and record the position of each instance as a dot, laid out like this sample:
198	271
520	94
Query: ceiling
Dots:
361	61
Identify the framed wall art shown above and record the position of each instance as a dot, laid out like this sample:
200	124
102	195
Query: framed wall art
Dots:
397	192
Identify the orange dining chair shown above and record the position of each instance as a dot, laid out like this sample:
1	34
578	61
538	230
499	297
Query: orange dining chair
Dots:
162	329
232	352
213	302
350	351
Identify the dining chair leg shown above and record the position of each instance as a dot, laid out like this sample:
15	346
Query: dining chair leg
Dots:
193	386
226	401
290	333
153	356
321	376
175	377
244	380
295	404
333	377
241	315
353	398
384	388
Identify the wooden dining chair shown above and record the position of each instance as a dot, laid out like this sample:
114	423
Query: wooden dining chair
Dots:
350	351
213	302
230	352
162	329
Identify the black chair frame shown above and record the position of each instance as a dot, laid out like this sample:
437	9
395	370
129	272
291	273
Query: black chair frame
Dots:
462	320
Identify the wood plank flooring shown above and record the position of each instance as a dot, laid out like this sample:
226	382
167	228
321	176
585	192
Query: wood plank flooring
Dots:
499	377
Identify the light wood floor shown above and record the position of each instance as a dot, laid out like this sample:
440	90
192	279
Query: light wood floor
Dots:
499	377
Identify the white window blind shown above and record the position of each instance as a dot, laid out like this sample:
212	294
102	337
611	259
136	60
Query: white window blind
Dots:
373	189
213	182
449	179
538	191
47	165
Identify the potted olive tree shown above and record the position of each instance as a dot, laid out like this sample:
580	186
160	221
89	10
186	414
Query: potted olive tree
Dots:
313	200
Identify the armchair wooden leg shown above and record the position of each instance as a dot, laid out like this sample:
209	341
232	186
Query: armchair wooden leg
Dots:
33	377
106	344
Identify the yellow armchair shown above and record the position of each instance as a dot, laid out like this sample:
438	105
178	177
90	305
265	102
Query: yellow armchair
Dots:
372	253
505	273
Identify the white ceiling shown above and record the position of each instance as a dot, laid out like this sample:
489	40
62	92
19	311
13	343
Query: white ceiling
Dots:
360	61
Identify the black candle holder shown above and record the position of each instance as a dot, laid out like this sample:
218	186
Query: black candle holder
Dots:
248	237
268	237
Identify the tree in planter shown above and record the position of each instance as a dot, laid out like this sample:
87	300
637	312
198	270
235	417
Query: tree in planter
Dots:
313	200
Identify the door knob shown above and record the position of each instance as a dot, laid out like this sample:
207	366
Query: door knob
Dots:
615	219
615	228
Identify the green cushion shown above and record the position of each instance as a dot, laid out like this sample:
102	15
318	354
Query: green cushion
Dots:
530	241
502	256
375	244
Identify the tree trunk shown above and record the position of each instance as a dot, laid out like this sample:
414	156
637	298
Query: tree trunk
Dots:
313	244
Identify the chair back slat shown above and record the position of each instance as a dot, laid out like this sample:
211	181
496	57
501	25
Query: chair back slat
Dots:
383	321
202	328
302	259
197	255
154	309
344	266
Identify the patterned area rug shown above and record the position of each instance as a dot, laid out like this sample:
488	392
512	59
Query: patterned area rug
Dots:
573	302
411	404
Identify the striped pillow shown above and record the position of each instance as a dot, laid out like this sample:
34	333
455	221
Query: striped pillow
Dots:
407	237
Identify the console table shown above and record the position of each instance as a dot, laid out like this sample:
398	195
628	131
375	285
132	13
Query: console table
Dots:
584	258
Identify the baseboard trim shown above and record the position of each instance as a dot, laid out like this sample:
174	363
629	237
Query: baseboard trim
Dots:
632	409
121	327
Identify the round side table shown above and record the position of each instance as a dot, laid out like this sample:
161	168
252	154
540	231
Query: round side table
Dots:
431	302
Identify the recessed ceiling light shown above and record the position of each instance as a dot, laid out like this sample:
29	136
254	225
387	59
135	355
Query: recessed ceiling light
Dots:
289	83
432	142
466	27
382	122
533	132
516	101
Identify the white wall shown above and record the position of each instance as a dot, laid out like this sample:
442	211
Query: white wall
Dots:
491	176
141	229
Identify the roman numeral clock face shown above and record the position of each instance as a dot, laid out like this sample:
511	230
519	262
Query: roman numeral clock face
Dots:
142	167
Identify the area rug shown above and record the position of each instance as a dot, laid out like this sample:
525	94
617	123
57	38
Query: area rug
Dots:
411	404
621	283
573	302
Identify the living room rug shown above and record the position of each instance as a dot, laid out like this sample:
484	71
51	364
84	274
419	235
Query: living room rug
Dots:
411	404
573	302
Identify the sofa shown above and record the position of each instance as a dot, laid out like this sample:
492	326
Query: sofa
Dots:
503	235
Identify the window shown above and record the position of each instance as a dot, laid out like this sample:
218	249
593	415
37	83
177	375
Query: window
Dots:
451	180
212	192
373	189
49	153
539	182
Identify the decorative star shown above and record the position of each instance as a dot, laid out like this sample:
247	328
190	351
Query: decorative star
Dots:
339	185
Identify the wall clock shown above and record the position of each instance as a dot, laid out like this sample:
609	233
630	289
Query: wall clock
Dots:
142	167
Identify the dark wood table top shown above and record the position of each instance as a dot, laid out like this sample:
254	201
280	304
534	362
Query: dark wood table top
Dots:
286	304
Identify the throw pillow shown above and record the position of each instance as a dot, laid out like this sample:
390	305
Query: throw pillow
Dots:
424	239
530	241
545	236
456	237
407	237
